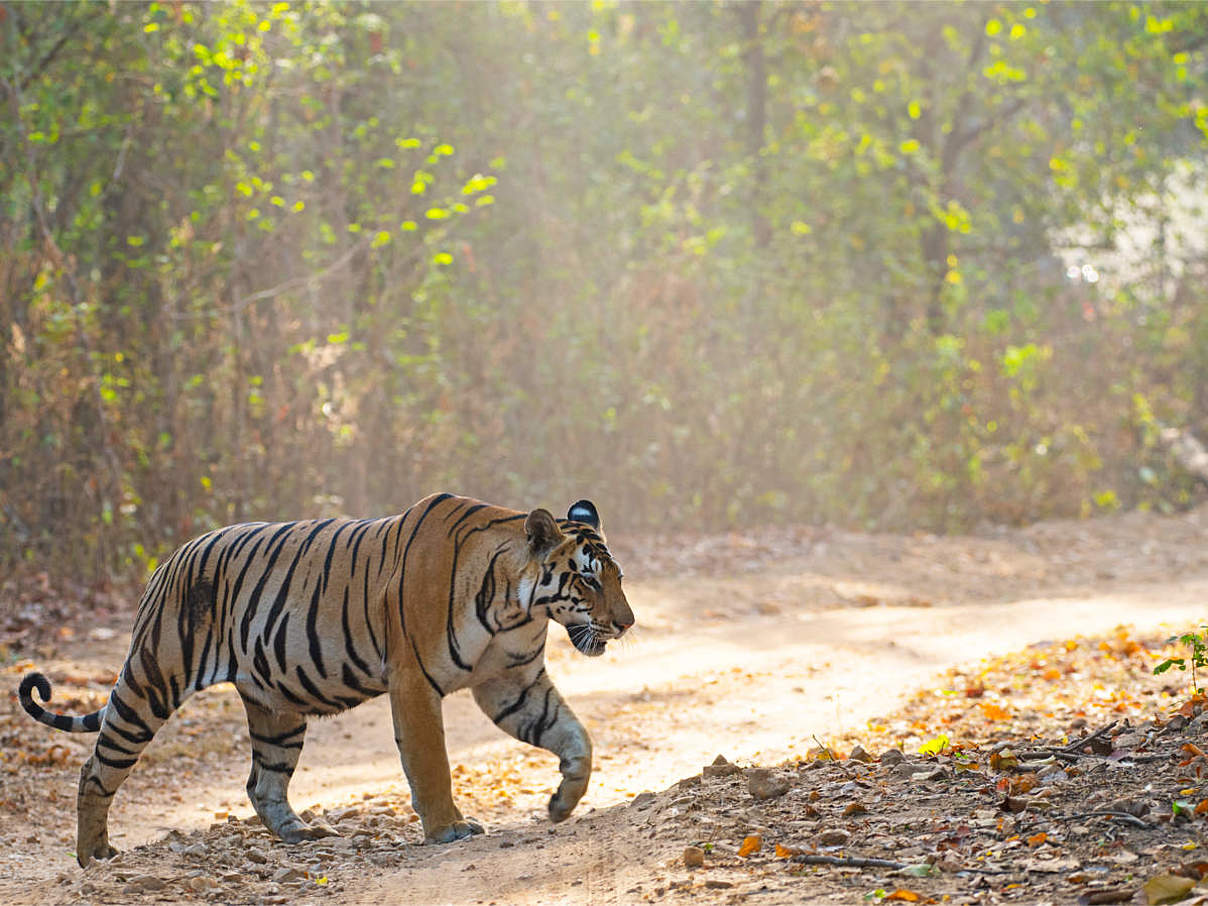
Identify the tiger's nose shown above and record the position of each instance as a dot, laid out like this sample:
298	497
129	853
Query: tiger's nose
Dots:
621	625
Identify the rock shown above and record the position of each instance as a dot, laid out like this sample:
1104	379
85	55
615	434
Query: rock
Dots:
1129	740
1198	725
145	884
932	774
720	768
904	770
201	883
689	782
892	757
1138	808
694	857
287	874
858	754
254	855
834	837
642	801
715	884
763	784
1052	773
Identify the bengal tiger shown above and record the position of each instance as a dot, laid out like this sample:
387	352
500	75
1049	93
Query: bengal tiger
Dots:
310	618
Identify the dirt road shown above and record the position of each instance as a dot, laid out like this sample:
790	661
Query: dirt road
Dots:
754	647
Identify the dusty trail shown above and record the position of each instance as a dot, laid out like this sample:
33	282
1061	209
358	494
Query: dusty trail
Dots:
754	661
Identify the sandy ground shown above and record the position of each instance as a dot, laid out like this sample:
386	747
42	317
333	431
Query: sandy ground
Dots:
758	647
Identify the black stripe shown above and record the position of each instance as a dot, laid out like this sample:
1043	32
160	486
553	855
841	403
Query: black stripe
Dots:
439	498
253	598
313	689
349	647
128	714
119	764
279	642
428	676
351	681
519	702
312	632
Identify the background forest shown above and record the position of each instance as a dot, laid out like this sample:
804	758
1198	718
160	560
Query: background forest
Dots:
712	264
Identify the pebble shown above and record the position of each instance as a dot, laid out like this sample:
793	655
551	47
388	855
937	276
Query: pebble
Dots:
694	857
763	784
858	754
146	884
720	768
642	801
284	875
834	837
892	756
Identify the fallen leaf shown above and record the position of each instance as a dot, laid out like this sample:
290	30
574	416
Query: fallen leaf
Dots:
786	852
906	896
934	746
855	808
995	712
751	844
1004	760
1037	839
1167	889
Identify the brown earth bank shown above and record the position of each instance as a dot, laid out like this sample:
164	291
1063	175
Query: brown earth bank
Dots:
783	650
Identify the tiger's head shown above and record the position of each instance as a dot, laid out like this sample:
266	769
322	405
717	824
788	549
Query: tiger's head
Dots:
576	578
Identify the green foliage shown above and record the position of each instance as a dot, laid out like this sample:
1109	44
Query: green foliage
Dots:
716	263
1198	643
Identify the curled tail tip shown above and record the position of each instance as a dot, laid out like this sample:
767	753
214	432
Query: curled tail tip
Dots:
33	681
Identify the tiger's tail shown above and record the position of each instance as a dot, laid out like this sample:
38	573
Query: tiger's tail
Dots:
88	723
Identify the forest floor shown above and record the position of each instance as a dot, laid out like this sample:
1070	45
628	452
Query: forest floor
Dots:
782	650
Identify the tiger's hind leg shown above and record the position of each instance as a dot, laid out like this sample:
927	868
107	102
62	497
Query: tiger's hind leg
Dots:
132	717
276	745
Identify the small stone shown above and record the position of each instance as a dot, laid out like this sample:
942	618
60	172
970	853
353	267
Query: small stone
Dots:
201	883
724	769
287	874
763	784
146	884
716	884
694	857
834	837
1138	808
1051	773
689	782
254	855
642	801
933	774
1198	725
1128	740
892	757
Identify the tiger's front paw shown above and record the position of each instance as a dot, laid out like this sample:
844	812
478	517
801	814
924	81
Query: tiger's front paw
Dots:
101	850
456	831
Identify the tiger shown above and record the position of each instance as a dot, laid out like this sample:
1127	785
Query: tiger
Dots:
314	617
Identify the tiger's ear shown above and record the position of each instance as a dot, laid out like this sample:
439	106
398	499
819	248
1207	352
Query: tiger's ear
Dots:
542	531
584	511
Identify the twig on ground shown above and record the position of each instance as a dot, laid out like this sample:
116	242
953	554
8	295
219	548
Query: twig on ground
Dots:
1059	754
862	862
847	861
1107	813
1076	747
